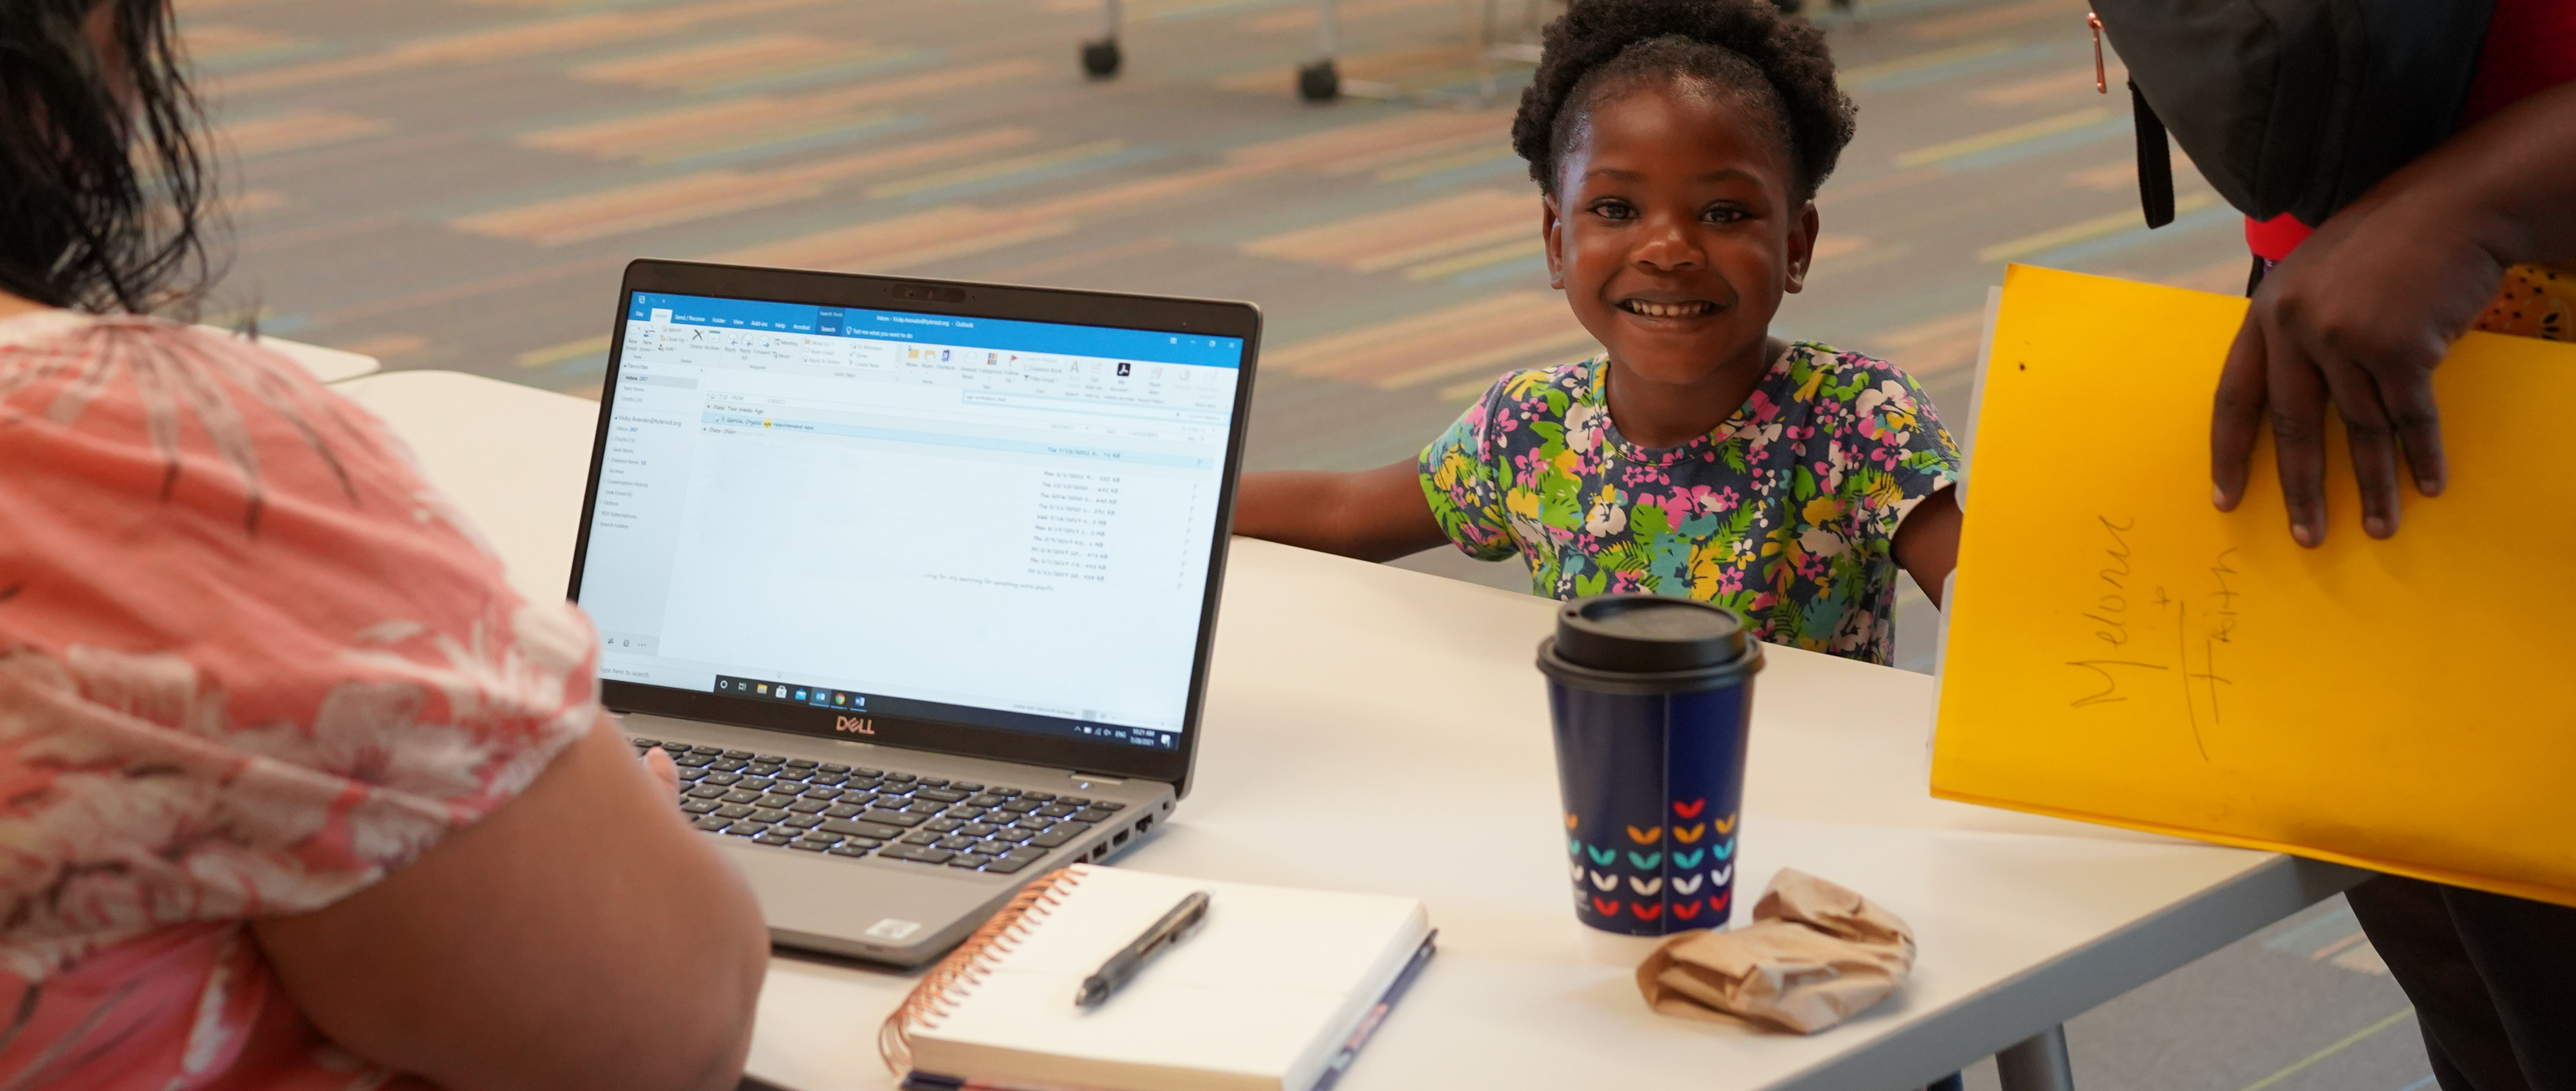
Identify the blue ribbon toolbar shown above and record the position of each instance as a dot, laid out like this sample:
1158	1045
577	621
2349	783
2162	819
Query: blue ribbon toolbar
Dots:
940	329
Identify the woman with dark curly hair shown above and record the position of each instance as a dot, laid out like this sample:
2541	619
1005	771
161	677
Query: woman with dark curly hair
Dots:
1677	146
299	794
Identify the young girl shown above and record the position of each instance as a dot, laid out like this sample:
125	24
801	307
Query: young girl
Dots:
1677	146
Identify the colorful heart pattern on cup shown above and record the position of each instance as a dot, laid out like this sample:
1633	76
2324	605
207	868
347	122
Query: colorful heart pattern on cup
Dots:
1644	911
1689	871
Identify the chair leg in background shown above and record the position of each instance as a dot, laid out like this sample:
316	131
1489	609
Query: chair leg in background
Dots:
1320	81
1100	59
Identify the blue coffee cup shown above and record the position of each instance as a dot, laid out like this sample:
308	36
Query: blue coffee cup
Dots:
1652	698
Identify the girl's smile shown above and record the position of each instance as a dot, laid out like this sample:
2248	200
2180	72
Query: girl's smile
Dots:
1677	309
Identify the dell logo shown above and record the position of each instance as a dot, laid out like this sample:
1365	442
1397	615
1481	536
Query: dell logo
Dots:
857	725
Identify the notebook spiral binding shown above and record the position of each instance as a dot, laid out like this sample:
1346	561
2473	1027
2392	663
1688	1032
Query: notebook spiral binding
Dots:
947	983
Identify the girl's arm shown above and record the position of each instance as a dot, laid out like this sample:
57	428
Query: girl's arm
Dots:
1927	543
1374	515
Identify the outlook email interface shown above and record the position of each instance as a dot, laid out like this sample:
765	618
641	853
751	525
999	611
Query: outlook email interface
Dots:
999	523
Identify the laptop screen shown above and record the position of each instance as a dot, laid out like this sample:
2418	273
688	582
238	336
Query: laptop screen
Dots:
997	523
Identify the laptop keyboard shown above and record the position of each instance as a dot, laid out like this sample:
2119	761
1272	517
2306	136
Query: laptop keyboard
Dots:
820	807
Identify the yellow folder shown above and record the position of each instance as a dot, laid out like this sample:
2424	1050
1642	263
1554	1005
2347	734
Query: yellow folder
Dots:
2119	651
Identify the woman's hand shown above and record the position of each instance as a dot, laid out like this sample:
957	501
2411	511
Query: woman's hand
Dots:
657	761
583	935
2364	310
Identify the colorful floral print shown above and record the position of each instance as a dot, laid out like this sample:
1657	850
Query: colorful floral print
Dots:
1784	514
249	665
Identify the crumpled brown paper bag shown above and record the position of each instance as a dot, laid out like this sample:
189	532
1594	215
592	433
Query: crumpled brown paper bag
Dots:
1815	955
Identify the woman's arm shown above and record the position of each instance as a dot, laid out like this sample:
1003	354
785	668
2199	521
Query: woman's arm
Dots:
1374	515
2359	315
1927	543
582	936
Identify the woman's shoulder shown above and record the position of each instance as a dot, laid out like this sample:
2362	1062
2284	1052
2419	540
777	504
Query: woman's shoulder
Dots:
50	327
51	338
288	666
41	325
163	415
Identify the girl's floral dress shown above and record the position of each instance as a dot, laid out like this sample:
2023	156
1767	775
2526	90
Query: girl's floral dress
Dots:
1784	514
249	665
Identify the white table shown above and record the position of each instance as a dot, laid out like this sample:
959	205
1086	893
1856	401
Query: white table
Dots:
1375	729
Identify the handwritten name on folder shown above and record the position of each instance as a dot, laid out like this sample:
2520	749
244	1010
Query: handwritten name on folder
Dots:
2119	651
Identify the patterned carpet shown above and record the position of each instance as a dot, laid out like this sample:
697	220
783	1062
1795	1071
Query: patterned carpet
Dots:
456	183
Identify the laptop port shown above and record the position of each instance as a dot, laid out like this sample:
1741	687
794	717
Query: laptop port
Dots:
1117	839
1145	823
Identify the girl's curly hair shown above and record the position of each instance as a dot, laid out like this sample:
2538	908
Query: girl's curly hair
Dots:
1775	62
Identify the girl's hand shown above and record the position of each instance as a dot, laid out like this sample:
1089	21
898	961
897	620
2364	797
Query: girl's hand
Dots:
1374	515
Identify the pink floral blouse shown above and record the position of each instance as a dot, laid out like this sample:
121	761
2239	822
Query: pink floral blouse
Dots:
249	664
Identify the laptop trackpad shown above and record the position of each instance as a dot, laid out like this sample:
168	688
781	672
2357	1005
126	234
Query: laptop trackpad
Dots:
866	909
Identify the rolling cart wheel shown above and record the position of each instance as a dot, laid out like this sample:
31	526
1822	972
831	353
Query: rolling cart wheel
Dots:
1318	82
1100	58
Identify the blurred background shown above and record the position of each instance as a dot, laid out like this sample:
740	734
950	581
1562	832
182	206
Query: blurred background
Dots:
456	184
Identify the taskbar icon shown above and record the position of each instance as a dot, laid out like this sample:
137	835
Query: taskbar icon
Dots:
761	689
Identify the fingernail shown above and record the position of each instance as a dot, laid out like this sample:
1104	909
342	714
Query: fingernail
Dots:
2377	526
2429	486
2218	497
2306	535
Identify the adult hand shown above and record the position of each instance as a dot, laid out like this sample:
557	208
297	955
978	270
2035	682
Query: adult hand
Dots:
658	762
2362	312
2358	316
511	958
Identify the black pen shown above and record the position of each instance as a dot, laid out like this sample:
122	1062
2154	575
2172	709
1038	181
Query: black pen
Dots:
1121	968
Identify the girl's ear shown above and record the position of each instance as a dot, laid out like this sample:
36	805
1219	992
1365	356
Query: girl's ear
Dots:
1802	247
1551	229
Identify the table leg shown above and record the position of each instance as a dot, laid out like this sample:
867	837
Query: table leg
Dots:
2037	1064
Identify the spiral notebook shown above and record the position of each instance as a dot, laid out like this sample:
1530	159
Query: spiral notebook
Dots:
1275	993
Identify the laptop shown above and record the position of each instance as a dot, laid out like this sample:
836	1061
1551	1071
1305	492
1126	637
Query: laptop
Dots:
915	580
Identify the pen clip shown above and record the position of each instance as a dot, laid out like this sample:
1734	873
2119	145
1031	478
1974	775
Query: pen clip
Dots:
1176	925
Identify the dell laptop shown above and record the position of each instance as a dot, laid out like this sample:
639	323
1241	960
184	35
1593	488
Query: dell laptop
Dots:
916	580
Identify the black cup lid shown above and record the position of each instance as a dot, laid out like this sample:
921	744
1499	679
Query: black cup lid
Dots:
1638	634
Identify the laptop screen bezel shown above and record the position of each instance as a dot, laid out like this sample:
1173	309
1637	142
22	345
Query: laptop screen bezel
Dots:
942	297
